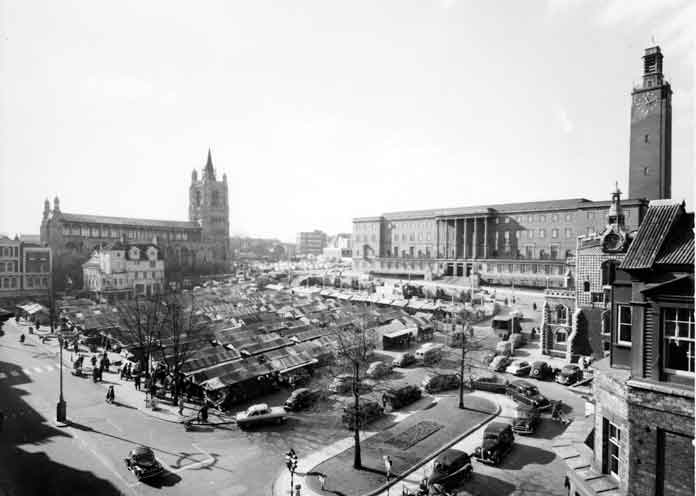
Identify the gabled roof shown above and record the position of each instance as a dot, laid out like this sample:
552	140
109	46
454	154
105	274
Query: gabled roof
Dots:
126	221
665	237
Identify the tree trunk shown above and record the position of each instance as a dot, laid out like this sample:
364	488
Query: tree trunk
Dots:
461	372
357	459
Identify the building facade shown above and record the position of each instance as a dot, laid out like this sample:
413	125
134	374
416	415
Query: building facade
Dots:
523	244
197	246
25	269
123	271
644	390
311	242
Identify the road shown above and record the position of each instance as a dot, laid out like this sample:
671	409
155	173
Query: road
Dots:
86	457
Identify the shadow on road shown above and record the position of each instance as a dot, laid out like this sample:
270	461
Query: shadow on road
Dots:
485	485
523	454
167	479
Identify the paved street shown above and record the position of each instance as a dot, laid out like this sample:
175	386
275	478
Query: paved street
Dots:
87	456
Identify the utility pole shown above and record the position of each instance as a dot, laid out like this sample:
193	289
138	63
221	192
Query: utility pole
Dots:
61	406
461	370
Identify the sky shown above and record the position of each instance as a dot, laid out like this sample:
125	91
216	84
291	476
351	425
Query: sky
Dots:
321	111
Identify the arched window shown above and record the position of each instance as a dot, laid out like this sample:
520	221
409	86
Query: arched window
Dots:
562	314
216	198
586	286
198	198
561	336
609	272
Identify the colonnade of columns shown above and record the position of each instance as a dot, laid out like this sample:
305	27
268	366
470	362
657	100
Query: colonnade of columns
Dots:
463	237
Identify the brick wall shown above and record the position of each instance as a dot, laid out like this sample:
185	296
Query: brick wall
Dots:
661	443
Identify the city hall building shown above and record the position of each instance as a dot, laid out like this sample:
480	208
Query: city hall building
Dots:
528	244
199	245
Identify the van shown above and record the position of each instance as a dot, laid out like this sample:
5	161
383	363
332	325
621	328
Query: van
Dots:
429	353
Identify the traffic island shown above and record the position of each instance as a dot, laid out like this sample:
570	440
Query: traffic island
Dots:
408	444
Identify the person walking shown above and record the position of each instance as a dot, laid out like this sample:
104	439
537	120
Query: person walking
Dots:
94	361
136	381
322	481
181	405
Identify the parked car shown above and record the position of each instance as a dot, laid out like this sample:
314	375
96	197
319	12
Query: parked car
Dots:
404	360
429	353
526	419
402	396
569	374
490	383
343	384
528	394
488	357
498	440
541	370
434	383
499	363
260	414
519	368
450	468
369	411
142	462
518	340
377	370
504	348
301	398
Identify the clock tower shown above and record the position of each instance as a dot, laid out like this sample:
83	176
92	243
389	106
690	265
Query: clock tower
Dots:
650	159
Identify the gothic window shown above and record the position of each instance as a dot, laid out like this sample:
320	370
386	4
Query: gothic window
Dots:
216	198
561	336
609	272
198	198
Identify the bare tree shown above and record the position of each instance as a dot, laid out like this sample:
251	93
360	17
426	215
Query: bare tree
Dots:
353	348
466	342
178	338
142	320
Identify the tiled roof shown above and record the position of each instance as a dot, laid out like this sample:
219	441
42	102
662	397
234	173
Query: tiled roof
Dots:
679	248
657	236
125	221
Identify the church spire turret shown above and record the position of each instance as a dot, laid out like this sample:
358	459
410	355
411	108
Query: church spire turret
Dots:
208	171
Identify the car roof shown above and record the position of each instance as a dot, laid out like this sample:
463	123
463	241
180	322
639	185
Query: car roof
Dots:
141	450
299	391
450	456
497	427
539	363
524	408
521	383
571	366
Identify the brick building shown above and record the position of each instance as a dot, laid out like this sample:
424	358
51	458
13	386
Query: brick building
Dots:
311	242
25	269
643	440
197	246
525	244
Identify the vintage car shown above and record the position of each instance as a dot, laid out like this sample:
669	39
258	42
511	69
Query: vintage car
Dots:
541	370
377	370
519	368
527	394
429	353
433	383
301	398
488	357
499	363
369	411
569	374
490	383
451	467
402	396
404	360
142	462
498	440
526	419
343	384
260	414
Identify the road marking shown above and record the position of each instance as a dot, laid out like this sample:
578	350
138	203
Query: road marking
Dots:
203	463
114	425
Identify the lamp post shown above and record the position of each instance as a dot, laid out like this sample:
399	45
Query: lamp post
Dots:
61	406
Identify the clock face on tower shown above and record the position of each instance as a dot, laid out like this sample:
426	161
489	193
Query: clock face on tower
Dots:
613	241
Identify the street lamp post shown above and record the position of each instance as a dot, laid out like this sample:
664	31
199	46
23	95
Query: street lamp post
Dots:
61	406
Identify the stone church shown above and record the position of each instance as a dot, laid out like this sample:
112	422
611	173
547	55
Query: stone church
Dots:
197	246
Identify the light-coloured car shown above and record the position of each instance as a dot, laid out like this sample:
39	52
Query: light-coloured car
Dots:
519	368
260	414
376	370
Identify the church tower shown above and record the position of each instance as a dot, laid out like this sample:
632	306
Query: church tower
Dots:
209	206
650	160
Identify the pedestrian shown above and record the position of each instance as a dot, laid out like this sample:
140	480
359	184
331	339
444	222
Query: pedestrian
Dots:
128	371
76	347
136	381
534	306
94	361
506	301
181	405
122	372
322	481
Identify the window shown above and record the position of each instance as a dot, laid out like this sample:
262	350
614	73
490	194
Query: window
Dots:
530	234
427	236
568	232
568	217
542	218
529	251
396	251
614	448
555	249
678	335
554	233
518	234
589	231
561	336
646	171
609	272
554	218
623	325
507	220
597	296
510	269
530	218
542	233
646	138
420	236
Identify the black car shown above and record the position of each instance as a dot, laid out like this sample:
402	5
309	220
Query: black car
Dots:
569	374
142	462
301	398
541	371
490	383
450	468
401	396
526	419
527	393
498	440
404	360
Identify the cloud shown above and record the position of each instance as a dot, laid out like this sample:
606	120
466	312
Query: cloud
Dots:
562	119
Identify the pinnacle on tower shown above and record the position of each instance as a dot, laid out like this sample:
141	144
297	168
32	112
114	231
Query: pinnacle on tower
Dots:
209	172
